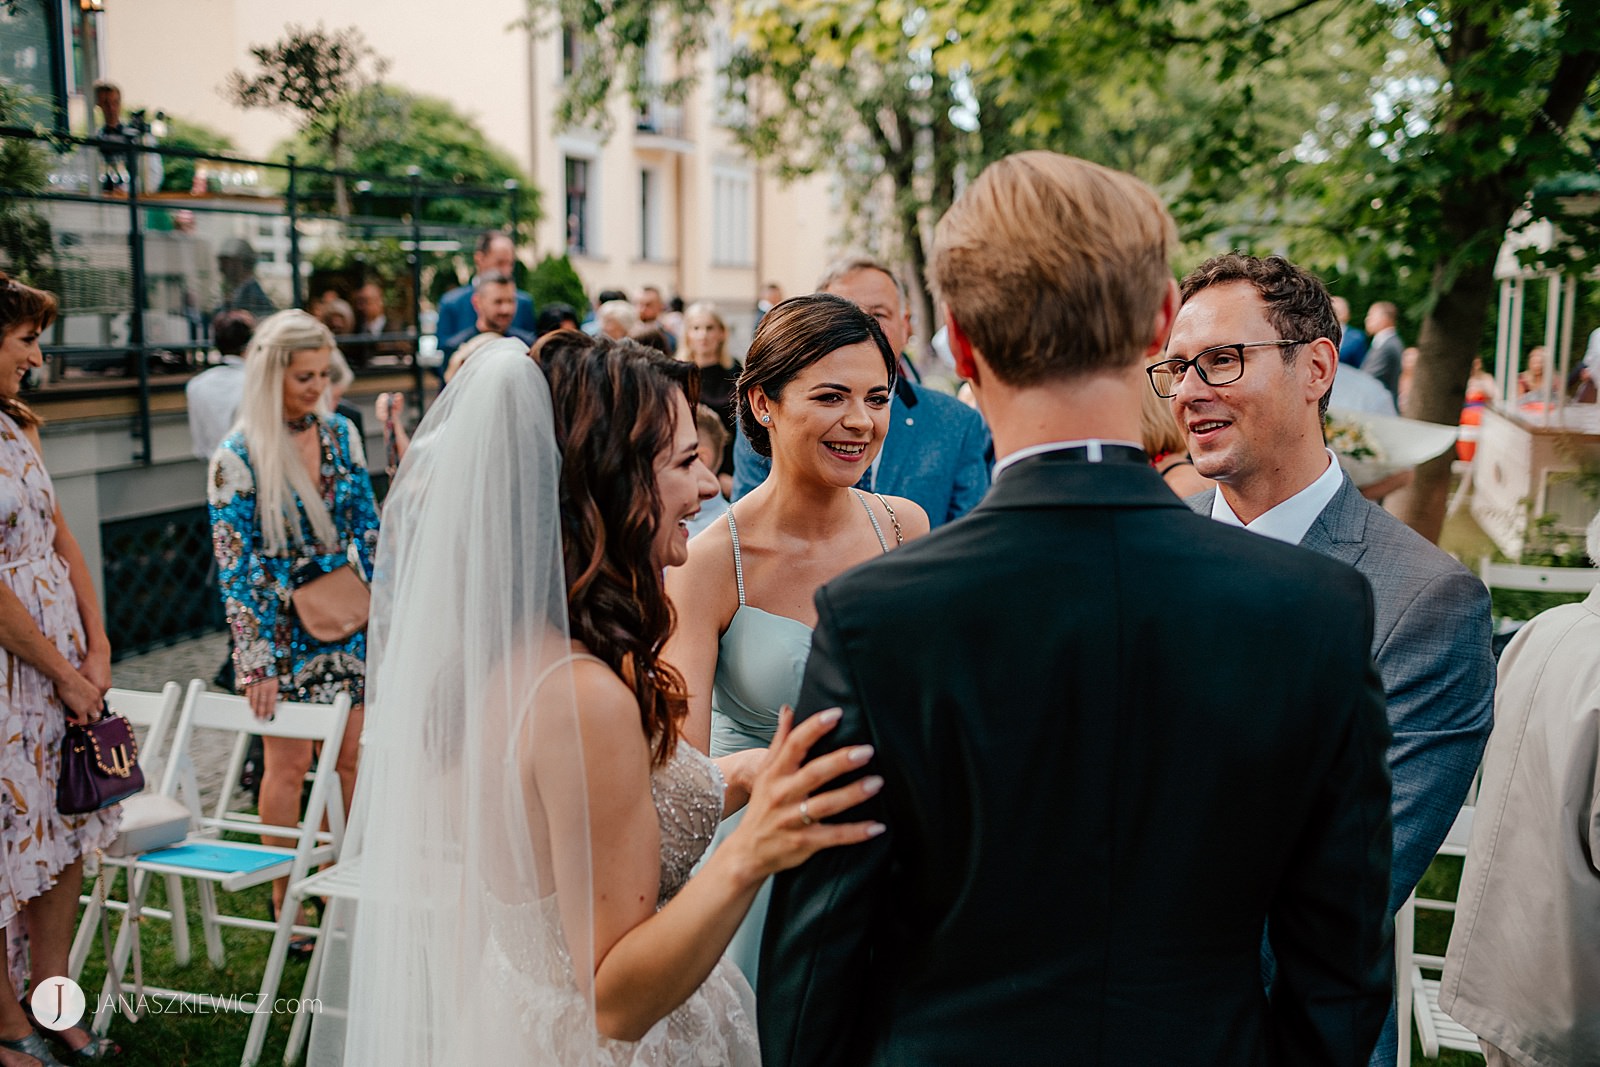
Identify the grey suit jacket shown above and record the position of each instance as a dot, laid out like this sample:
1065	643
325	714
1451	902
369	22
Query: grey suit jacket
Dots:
1383	362
1431	644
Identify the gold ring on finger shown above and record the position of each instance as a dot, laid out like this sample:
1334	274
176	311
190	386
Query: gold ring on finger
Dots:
805	815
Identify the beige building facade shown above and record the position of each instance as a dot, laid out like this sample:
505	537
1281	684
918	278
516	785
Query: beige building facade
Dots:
666	198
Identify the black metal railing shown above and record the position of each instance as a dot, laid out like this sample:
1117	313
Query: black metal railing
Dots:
129	268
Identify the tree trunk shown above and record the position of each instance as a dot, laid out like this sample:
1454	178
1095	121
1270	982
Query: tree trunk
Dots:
336	151
1448	344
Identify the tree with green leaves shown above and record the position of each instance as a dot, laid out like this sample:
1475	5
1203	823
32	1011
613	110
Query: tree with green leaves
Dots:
178	171
406	129
25	237
317	75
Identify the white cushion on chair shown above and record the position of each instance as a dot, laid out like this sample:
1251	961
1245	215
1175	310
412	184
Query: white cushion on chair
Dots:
150	821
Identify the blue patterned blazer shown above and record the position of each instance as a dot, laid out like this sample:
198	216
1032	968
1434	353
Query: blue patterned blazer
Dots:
936	454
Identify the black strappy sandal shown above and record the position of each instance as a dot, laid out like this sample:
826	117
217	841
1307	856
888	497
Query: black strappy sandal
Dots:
32	1045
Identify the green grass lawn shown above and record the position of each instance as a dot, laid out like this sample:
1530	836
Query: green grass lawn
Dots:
188	1039
176	1038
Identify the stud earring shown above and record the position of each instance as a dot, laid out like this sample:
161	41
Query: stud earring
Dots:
766	419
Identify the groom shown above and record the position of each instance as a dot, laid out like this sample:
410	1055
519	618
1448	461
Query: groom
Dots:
1124	739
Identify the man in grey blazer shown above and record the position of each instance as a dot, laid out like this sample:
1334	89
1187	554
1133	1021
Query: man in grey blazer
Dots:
1386	352
1248	369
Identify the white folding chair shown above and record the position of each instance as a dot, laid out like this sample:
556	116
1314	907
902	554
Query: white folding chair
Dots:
1416	996
1537	579
342	881
151	714
213	862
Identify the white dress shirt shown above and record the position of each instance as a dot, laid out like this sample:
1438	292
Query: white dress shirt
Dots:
1289	521
213	396
1093	444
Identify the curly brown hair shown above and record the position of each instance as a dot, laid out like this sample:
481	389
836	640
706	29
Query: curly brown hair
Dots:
22	305
613	404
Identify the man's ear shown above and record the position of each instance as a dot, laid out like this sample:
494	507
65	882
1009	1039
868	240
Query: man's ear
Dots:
960	348
1322	362
1166	314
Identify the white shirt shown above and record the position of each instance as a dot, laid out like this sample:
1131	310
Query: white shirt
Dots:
214	397
1289	520
1093	444
1356	390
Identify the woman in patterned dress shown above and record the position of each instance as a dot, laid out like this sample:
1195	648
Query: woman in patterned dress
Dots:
289	495
57	667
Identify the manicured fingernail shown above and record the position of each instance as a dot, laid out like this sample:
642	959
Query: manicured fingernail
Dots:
831	716
871	785
860	754
875	829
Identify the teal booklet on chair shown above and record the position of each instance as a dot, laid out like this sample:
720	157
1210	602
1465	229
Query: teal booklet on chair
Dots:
223	858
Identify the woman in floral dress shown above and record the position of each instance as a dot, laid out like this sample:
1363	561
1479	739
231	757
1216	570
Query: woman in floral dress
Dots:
289	496
57	667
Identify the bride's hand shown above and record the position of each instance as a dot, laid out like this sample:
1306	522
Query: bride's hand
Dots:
783	826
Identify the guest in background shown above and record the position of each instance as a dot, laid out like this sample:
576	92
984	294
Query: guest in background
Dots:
706	345
651	309
1408	374
1164	443
814	397
236	261
290	496
496	254
771	297
554	317
651	337
1384	355
1353	341
616	319
372	322
338	316
591	325
340	379
1533	384
1523	969
494	299
713	438
57	665
213	395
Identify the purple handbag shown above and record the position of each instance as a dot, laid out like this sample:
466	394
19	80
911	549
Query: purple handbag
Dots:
99	766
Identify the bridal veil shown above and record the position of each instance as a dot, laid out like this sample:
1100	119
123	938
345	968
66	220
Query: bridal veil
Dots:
470	820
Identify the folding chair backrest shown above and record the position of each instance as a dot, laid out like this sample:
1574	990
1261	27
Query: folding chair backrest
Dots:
151	712
1537	579
221	711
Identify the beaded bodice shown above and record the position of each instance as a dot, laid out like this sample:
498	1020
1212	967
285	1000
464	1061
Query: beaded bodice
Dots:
687	791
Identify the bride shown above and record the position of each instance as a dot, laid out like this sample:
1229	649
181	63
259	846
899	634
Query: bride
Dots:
528	815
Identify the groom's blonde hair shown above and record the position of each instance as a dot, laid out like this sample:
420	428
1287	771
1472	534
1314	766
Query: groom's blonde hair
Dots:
1053	266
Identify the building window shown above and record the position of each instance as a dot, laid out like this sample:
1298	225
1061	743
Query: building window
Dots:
578	221
732	213
649	215
571	49
28	56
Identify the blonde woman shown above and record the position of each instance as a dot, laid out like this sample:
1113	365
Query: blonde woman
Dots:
289	496
705	344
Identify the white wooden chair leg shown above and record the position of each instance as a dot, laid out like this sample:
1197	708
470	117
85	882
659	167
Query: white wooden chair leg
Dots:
271	978
207	894
180	920
88	928
117	965
299	1029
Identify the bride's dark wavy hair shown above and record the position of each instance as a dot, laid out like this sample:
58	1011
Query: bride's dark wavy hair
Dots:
613	417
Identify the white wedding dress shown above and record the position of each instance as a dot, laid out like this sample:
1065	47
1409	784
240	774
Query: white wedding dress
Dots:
716	1025
472	942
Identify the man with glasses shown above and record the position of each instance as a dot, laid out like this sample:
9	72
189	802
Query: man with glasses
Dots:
1248	368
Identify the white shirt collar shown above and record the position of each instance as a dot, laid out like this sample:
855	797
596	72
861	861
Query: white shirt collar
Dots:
1289	520
1093	444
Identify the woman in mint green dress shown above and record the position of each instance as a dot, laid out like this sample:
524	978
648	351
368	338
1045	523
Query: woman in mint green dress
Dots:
814	396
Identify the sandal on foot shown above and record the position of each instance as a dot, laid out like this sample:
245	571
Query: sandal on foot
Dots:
32	1045
94	1050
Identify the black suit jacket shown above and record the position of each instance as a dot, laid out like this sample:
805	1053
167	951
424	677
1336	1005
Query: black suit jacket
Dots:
1117	739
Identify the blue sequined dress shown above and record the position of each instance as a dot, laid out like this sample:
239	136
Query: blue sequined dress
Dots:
268	641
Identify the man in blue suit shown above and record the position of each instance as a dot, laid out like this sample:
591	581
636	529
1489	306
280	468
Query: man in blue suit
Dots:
1251	361
494	254
937	449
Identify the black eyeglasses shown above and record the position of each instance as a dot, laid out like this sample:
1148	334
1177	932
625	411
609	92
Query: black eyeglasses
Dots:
1222	365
